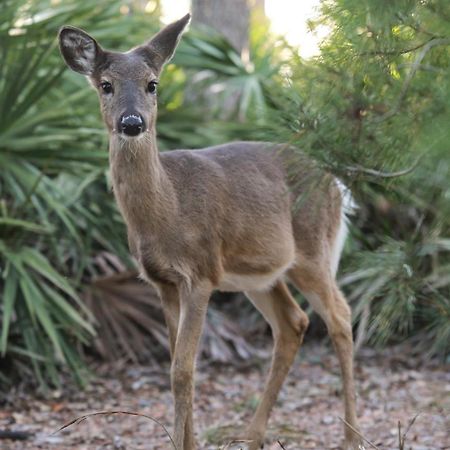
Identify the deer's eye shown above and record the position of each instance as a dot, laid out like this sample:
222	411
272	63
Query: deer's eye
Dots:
151	87
106	87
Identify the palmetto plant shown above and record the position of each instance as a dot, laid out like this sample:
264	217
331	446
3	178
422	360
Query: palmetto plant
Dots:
218	72
52	182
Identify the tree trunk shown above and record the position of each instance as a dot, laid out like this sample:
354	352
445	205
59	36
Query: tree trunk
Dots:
259	5
230	18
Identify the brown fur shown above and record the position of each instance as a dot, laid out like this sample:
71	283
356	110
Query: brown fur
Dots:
225	218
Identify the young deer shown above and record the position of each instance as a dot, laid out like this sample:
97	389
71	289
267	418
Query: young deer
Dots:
218	218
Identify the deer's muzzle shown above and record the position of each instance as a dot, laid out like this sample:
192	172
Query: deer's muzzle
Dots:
131	124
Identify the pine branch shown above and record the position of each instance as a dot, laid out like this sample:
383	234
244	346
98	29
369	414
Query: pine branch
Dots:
397	52
380	174
415	66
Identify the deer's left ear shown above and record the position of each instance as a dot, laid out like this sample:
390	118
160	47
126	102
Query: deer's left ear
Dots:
80	51
161	47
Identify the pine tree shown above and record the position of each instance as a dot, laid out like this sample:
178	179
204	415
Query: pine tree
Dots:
376	105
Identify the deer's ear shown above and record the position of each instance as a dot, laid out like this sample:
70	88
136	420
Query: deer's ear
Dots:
162	46
79	50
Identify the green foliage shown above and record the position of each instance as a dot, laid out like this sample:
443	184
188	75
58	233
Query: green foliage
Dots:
52	181
217	67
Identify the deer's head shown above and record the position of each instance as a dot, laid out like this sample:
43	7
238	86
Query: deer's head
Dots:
126	82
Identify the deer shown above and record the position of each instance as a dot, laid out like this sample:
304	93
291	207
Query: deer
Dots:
219	218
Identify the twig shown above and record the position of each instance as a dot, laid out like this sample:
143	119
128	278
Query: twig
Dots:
235	441
80	419
380	174
411	424
281	445
395	52
358	433
402	438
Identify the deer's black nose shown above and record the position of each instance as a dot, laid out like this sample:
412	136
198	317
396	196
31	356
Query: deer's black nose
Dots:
131	124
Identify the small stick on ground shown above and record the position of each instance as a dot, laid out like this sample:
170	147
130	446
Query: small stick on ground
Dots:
281	445
359	434
238	441
402	438
80	419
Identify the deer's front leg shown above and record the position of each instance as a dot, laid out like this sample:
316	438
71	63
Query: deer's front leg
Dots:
193	307
170	299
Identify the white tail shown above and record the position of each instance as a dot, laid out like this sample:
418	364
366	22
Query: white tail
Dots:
348	207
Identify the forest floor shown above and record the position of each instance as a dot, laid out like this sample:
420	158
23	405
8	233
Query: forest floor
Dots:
392	387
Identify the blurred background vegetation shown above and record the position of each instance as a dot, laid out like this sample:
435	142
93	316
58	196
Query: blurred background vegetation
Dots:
373	107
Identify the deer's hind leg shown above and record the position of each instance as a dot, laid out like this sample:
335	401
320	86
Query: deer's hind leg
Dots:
316	282
288	323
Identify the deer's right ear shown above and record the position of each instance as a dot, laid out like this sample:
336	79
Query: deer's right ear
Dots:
80	51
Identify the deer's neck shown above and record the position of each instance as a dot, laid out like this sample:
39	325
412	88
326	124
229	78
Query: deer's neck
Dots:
142	188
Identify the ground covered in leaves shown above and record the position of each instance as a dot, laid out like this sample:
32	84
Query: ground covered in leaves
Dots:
392	387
